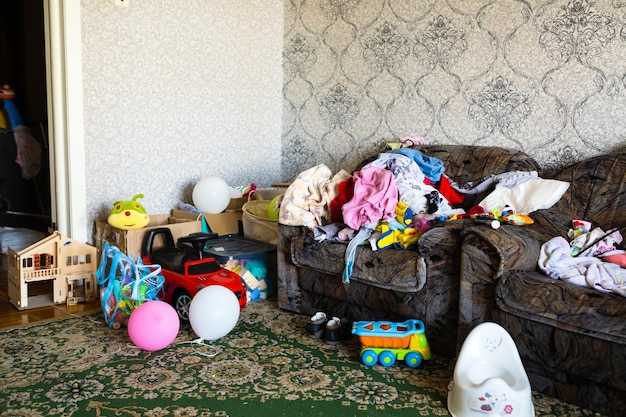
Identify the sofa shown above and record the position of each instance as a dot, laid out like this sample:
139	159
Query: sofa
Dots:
393	284
571	338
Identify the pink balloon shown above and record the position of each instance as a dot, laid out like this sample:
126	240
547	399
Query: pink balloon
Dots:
153	325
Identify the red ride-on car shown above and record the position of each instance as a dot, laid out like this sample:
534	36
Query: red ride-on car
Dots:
186	273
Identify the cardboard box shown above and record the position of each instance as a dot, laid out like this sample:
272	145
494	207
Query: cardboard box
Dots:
229	222
225	223
131	241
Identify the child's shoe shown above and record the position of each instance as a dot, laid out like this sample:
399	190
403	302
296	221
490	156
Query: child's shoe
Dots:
336	331
316	325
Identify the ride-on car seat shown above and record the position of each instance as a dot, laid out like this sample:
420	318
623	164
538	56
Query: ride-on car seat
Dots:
171	256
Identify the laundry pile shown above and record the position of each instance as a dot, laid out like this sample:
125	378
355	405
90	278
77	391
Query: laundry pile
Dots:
592	258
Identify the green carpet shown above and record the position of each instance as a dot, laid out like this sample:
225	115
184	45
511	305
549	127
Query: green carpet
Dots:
266	366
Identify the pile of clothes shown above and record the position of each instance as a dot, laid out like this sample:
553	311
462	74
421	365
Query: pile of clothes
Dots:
389	202
402	190
592	258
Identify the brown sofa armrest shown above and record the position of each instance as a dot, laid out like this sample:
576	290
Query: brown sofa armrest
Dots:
518	247
486	254
288	292
509	247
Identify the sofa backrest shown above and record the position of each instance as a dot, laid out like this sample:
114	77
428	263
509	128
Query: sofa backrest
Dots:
596	192
472	164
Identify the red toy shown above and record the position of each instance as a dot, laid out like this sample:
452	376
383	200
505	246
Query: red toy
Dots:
186	274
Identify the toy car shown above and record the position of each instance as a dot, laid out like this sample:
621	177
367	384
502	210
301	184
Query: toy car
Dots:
187	273
383	342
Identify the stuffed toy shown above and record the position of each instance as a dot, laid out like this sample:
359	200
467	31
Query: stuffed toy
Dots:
128	215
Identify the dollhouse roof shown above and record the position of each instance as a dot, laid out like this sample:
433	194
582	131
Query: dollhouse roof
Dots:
51	243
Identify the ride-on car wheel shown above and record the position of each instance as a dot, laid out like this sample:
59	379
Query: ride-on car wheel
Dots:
181	303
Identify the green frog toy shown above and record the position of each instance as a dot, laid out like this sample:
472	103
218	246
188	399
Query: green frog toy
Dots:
128	215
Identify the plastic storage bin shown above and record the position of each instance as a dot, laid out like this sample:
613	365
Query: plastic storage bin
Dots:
253	259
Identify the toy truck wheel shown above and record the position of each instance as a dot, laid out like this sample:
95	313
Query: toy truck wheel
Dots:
369	357
181	303
413	359
387	358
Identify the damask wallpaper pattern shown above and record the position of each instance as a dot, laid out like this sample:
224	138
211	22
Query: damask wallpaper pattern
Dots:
546	77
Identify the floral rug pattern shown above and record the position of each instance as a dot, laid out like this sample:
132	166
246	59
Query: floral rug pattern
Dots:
267	365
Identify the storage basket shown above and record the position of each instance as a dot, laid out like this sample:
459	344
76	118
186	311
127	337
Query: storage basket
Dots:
256	222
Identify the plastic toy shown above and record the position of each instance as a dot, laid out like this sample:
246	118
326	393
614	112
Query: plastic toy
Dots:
508	215
489	377
187	272
67	265
125	285
128	215
383	342
5	118
518	219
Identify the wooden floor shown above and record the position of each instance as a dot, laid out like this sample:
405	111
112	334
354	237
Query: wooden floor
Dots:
10	316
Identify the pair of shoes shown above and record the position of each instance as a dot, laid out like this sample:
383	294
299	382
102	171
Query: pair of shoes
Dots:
334	331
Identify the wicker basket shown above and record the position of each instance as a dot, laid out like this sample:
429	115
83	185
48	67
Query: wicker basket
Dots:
256	222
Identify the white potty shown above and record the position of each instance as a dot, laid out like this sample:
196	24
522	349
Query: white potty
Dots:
489	378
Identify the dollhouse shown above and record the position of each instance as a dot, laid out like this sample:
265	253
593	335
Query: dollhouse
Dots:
53	270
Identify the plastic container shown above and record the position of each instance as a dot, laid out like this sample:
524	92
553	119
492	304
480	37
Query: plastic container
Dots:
489	377
254	256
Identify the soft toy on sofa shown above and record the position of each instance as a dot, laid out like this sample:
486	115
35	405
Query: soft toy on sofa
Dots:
128	214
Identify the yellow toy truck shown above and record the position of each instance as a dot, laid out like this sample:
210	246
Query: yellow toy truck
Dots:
383	342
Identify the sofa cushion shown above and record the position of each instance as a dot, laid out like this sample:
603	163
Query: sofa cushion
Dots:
392	269
583	310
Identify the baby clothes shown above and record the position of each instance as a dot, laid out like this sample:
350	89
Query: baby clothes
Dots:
411	183
431	167
374	198
307	199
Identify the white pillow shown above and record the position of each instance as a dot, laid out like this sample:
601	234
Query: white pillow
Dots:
527	197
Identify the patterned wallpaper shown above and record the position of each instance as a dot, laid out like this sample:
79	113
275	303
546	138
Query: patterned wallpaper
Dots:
546	77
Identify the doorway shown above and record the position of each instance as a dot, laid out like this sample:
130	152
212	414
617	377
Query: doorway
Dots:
63	79
26	202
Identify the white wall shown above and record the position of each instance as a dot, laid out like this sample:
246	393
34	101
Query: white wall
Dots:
177	91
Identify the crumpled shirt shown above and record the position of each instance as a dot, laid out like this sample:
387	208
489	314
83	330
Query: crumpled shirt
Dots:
375	198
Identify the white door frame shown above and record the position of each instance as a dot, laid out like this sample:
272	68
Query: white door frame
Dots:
65	117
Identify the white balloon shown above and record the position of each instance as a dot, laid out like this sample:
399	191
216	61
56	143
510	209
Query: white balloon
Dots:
211	195
235	193
213	312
